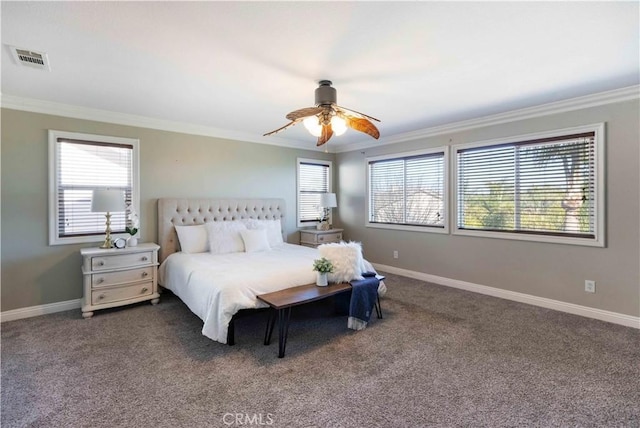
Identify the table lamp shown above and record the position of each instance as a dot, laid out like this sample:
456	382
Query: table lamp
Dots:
107	201
327	201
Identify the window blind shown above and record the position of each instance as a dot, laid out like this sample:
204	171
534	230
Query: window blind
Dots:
544	186
313	181
82	167
407	190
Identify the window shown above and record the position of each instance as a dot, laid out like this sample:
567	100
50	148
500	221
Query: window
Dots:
409	191
544	187
78	164
314	179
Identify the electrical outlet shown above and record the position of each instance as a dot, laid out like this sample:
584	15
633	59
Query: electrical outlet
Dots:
395	254
590	286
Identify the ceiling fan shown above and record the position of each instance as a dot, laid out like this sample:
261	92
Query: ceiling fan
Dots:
328	118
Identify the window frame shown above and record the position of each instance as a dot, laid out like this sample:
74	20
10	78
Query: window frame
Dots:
599	188
446	191
54	135
327	163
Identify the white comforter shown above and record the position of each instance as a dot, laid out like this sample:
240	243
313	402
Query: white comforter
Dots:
215	287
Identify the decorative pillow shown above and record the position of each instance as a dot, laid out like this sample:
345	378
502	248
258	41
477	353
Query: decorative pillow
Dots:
193	239
273	227
346	258
224	237
255	240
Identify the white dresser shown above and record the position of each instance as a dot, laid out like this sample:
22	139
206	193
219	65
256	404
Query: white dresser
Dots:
314	237
116	277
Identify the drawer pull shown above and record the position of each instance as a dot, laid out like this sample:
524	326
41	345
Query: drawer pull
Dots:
144	290
102	296
99	280
145	274
100	263
321	238
144	259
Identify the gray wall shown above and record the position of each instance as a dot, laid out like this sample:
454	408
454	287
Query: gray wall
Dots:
171	165
554	271
174	164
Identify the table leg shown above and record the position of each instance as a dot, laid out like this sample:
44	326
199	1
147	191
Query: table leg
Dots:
283	330
231	334
271	321
378	307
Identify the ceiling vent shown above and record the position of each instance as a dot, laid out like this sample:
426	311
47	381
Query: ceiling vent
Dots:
31	58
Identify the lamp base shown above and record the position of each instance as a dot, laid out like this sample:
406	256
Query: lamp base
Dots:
323	225
107	243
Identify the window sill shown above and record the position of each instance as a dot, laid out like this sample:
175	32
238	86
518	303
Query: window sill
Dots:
585	242
93	239
425	229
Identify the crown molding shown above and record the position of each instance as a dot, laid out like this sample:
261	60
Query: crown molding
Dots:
86	113
77	112
594	100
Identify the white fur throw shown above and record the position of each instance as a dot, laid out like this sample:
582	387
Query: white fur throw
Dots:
346	258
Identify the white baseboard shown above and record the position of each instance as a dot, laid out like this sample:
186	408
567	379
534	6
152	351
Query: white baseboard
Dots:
585	311
34	311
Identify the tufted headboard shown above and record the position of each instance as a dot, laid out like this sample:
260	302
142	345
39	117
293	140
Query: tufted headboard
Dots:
172	211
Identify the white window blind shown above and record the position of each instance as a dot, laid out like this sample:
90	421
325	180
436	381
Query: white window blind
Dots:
408	190
545	186
84	166
313	180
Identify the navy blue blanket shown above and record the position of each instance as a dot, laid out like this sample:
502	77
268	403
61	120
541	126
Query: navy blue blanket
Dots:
364	294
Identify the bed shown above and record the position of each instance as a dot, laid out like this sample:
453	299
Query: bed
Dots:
218	286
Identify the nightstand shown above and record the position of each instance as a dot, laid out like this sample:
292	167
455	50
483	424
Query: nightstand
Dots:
117	277
313	237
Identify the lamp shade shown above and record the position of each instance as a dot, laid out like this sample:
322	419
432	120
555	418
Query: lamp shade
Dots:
328	200
107	200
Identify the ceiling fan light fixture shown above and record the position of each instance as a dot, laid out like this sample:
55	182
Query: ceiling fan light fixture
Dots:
327	118
338	125
313	125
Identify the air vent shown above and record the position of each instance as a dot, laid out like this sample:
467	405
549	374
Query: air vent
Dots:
30	58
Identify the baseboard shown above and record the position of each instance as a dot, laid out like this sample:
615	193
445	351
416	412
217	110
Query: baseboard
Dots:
585	311
34	311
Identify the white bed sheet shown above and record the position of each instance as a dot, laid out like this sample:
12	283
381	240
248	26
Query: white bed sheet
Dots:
216	286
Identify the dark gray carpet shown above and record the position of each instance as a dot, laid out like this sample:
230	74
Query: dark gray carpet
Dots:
440	357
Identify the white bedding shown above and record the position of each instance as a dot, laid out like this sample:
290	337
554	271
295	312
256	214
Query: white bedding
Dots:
216	286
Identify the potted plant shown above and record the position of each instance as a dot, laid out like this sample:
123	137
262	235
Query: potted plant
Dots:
133	224
323	267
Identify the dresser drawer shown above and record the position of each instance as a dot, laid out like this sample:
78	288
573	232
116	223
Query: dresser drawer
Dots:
109	295
122	260
330	237
121	277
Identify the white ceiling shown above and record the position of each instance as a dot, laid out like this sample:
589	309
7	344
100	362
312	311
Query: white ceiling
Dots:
237	68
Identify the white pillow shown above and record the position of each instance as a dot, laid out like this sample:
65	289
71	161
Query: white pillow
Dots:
224	237
273	227
255	240
193	239
346	258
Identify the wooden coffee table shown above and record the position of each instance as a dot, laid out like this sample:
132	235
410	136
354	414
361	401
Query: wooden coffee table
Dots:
282	301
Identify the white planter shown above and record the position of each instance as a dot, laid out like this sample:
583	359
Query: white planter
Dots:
321	279
132	242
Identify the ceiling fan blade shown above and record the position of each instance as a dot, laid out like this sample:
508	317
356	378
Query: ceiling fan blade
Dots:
288	125
362	125
354	113
304	112
327	133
